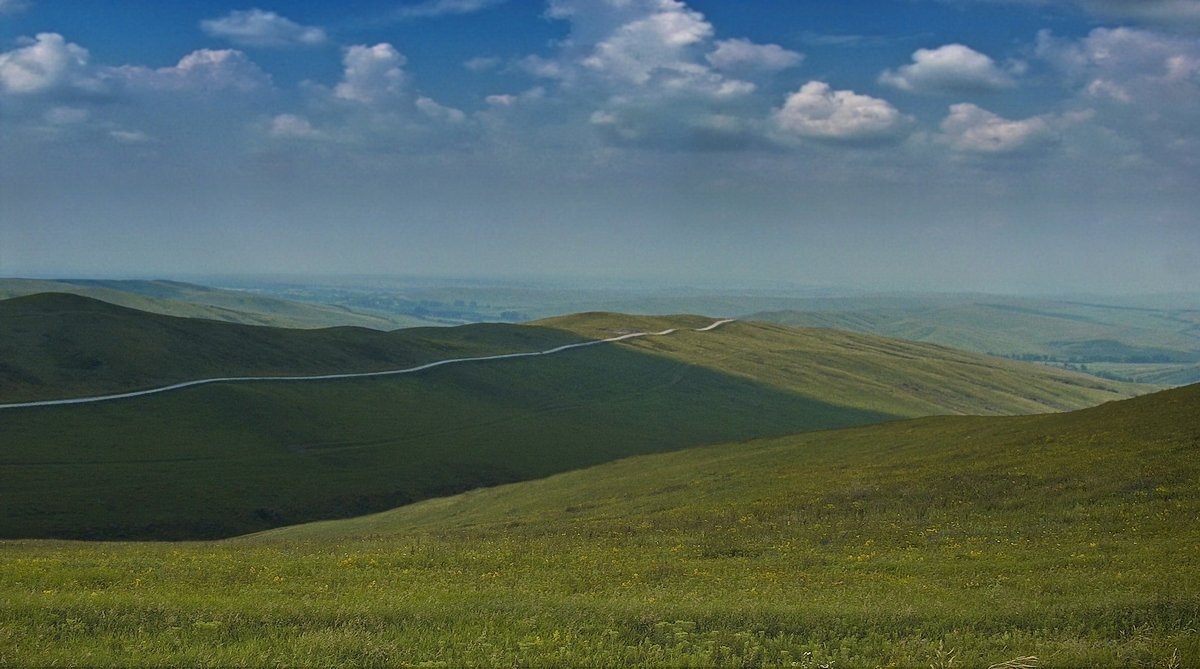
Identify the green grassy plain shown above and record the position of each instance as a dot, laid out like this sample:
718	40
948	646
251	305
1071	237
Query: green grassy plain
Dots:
940	542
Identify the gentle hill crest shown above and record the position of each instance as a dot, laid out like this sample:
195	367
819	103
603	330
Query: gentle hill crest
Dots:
866	371
59	345
187	300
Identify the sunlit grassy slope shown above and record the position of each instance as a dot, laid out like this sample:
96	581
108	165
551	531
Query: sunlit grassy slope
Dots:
226	459
1114	339
864	371
175	298
949	541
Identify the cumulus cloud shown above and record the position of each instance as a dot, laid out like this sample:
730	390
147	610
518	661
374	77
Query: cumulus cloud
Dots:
971	129
953	68
203	70
734	54
1144	84
651	72
255	27
817	111
439	112
292	126
43	64
372	73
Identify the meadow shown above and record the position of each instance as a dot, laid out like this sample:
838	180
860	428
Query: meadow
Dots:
1061	540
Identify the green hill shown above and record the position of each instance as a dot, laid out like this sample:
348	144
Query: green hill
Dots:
58	345
1062	540
226	459
1149	344
868	372
175	298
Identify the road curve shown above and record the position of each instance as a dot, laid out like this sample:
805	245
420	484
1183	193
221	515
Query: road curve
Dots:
356	375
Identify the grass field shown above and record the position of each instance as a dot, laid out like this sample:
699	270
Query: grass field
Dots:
940	542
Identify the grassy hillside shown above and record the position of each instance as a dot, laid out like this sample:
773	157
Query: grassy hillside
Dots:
1150	344
1065	540
868	372
174	298
226	459
58	345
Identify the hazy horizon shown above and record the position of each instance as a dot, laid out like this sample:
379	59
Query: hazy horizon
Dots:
1007	147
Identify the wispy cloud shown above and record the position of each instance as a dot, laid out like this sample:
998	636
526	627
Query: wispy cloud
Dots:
262	29
7	6
435	8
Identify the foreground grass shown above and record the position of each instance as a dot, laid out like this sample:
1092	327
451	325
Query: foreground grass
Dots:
939	542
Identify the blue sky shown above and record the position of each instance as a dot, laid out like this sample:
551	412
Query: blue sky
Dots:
998	145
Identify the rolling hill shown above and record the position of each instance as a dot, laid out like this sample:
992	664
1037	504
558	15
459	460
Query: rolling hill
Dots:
58	345
903	378
1049	540
226	459
187	300
1143	342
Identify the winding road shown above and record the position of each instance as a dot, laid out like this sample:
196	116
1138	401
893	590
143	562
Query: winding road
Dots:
356	375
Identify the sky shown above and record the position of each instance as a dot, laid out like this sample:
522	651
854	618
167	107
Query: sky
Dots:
1009	146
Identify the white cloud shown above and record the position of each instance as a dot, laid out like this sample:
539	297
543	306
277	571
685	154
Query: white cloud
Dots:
816	111
372	73
291	126
653	43
734	54
256	27
971	129
130	136
645	71
482	63
11	6
953	68
45	63
438	112
1144	85
501	100
435	8
204	70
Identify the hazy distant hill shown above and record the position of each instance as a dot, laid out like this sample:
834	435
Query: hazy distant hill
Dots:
1151	344
174	298
224	459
